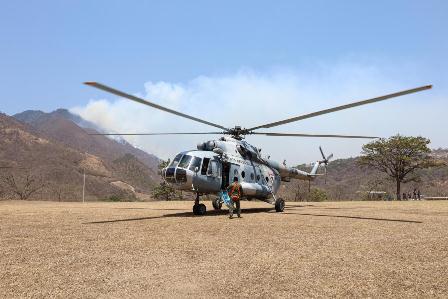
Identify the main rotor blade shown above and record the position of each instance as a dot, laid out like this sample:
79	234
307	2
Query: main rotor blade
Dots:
338	108
148	103
154	134
313	135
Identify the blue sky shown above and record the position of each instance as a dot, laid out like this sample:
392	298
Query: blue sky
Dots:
47	48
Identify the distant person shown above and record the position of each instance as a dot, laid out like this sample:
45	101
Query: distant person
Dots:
415	194
404	196
409	195
418	194
235	191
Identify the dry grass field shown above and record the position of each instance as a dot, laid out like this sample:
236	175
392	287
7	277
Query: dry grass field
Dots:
159	249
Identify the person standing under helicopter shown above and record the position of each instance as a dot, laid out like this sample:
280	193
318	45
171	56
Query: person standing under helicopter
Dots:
235	192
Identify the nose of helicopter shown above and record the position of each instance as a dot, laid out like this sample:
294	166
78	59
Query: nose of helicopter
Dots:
180	178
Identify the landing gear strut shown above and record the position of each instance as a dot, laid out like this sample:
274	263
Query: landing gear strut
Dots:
199	209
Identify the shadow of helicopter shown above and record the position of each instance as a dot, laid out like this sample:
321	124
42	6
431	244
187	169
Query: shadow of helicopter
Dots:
188	215
355	217
212	213
149	209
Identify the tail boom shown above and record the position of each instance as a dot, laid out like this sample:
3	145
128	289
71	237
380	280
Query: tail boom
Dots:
288	173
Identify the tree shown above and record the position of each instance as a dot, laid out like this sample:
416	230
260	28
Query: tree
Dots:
163	164
300	192
163	190
398	156
2	192
23	186
59	190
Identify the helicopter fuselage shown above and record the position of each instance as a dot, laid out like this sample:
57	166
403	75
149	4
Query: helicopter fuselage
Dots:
215	164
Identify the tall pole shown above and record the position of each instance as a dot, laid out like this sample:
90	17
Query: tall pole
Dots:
84	185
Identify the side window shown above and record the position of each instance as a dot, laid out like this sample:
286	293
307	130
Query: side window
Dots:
252	176
214	169
196	163
205	166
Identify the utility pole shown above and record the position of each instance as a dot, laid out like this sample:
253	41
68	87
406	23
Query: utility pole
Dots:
84	185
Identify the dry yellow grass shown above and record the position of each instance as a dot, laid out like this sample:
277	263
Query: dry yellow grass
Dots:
158	249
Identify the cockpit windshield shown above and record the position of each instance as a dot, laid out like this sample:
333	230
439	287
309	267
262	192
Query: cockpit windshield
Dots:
195	163
185	161
176	160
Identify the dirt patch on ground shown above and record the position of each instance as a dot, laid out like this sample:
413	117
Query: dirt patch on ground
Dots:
346	249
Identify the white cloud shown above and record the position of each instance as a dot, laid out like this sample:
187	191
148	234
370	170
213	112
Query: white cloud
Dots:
249	98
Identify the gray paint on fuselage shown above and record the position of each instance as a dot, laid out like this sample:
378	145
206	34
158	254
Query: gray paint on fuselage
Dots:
255	174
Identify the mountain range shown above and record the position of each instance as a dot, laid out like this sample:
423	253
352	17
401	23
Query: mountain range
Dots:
55	150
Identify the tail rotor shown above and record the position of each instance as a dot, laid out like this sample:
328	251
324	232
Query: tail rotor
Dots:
325	162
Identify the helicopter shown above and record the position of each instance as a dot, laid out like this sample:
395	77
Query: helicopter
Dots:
211	167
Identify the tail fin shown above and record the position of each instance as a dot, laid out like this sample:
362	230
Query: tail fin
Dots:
315	168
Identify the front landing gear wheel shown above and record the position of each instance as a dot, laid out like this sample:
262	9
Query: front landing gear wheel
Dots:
199	209
279	205
217	204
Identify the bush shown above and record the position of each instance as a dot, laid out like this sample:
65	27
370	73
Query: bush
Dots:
163	191
317	195
114	198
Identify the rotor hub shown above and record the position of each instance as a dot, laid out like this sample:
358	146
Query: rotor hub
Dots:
237	132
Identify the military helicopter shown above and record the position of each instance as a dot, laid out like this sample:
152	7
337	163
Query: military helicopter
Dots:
213	165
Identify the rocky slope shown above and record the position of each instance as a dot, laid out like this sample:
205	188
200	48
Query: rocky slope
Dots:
51	151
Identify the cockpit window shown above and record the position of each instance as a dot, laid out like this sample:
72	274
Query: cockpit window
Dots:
176	160
185	161
195	163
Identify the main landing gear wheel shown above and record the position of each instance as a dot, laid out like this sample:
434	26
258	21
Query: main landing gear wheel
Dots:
199	209
279	205
217	204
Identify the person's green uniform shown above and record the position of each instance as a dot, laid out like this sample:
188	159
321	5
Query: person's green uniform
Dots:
235	192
